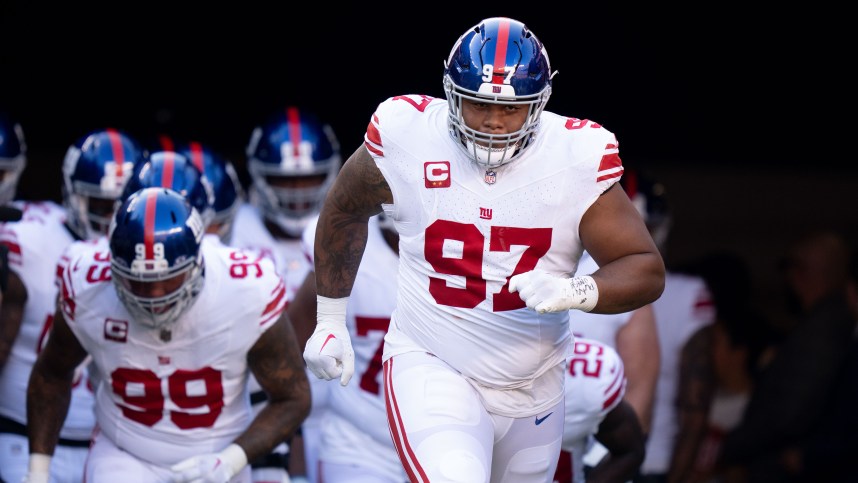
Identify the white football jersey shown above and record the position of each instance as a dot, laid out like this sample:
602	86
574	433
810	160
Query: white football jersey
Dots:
249	231
465	231
355	431
595	385
167	395
44	211
683	308
35	249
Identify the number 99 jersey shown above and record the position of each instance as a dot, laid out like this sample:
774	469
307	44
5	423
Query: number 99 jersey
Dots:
165	395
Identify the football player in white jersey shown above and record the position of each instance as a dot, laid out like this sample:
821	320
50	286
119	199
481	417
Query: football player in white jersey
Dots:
293	158
175	327
494	201
195	157
94	170
596	408
355	442
634	336
684	307
13	160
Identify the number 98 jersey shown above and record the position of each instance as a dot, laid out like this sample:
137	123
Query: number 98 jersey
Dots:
167	395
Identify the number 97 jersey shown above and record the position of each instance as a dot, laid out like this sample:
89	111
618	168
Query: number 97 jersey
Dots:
465	231
167	395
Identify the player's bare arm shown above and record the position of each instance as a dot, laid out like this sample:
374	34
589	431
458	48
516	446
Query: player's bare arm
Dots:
613	232
357	194
637	344
695	393
11	314
302	309
49	390
620	432
276	362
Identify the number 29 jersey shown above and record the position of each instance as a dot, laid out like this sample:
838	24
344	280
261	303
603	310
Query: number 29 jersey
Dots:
165	396
464	231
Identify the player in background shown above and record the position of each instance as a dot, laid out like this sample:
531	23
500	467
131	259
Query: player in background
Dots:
95	169
684	307
494	200
13	161
221	175
175	327
228	198
596	410
635	337
355	442
293	158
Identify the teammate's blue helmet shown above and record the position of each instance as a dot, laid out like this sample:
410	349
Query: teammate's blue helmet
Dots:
294	146
13	157
155	257
649	197
498	61
95	170
169	169
221	174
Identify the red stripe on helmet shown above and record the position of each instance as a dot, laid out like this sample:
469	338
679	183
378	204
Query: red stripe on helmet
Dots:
631	184
169	169
500	52
197	155
294	120
118	152
166	143
149	225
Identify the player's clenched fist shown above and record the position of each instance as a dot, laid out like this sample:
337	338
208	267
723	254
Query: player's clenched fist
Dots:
329	352
544	292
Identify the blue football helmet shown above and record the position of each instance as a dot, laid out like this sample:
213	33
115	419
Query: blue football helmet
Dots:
221	174
95	170
498	61
293	160
13	157
169	169
155	257
650	199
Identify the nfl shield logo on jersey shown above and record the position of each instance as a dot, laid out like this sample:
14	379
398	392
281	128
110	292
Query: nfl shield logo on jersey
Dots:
490	177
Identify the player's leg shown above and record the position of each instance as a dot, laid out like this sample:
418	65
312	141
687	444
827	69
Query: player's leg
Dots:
14	456
68	463
527	449
437	421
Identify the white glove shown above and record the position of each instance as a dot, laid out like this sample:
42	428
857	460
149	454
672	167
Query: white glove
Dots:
39	469
329	352
211	468
544	292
